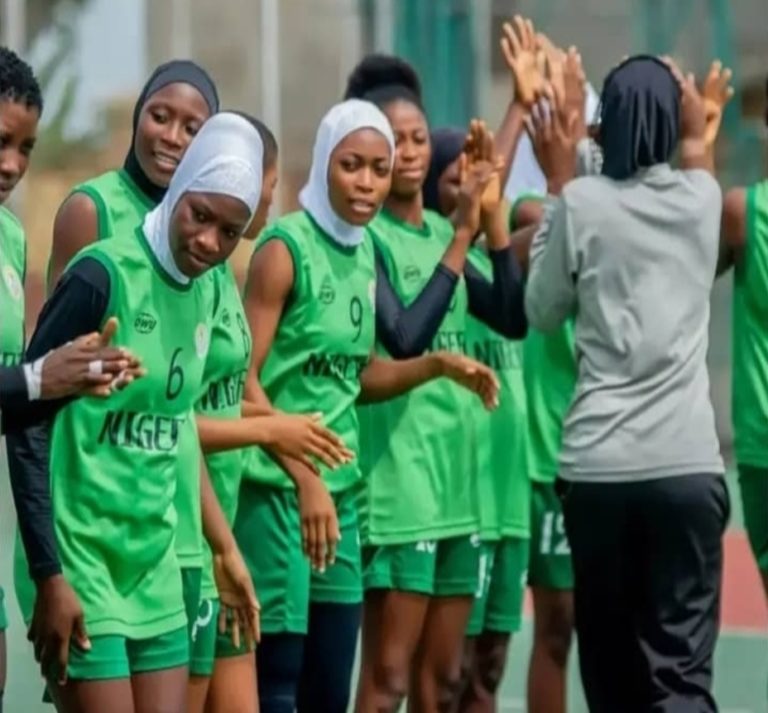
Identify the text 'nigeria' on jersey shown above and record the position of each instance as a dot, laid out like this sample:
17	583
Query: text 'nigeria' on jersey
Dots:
347	367
143	431
224	393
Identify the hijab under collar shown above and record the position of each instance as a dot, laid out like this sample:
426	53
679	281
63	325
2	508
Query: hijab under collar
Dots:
225	158
342	120
172	72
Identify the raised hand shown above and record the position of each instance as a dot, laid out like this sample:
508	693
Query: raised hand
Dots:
554	135
575	87
519	47
716	92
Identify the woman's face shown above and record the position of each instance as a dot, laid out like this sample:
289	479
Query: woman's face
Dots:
168	122
18	133
265	203
413	151
359	176
205	229
448	188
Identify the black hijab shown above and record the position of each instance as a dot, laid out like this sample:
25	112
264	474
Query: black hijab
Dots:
178	70
447	145
639	116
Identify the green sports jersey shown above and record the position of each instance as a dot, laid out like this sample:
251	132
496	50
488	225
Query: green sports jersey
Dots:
323	342
121	207
120	204
504	491
13	266
223	383
416	450
750	338
549	369
113	495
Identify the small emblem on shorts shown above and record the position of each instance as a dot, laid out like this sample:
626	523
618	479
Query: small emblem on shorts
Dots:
226	319
144	323
201	340
204	616
12	282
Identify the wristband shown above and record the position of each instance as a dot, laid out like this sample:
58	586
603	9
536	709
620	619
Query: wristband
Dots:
33	375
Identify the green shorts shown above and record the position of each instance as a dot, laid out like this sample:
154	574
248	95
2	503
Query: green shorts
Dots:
268	530
191	579
550	557
3	613
442	568
753	483
119	657
499	597
205	630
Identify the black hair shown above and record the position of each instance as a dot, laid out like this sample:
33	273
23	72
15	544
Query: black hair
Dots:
382	79
18	82
267	138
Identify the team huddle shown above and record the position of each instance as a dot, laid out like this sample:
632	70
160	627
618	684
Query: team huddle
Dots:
462	351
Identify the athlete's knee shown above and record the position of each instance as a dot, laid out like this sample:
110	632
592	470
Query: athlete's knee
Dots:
489	665
390	678
556	640
448	690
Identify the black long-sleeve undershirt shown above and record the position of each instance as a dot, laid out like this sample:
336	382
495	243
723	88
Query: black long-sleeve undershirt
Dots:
78	306
408	331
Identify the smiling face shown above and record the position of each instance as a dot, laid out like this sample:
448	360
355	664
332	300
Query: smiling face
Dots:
359	176
18	133
205	229
168	122
413	150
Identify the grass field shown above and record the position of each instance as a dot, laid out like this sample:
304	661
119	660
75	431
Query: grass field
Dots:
741	668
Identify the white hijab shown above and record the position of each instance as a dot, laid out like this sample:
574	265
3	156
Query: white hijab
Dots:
342	120
225	158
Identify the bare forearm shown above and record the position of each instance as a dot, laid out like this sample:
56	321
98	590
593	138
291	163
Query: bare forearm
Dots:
226	434
496	232
260	404
384	379
456	254
508	136
696	154
251	409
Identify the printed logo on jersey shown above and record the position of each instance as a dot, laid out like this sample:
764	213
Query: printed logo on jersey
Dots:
144	323
202	339
12	282
327	294
411	273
